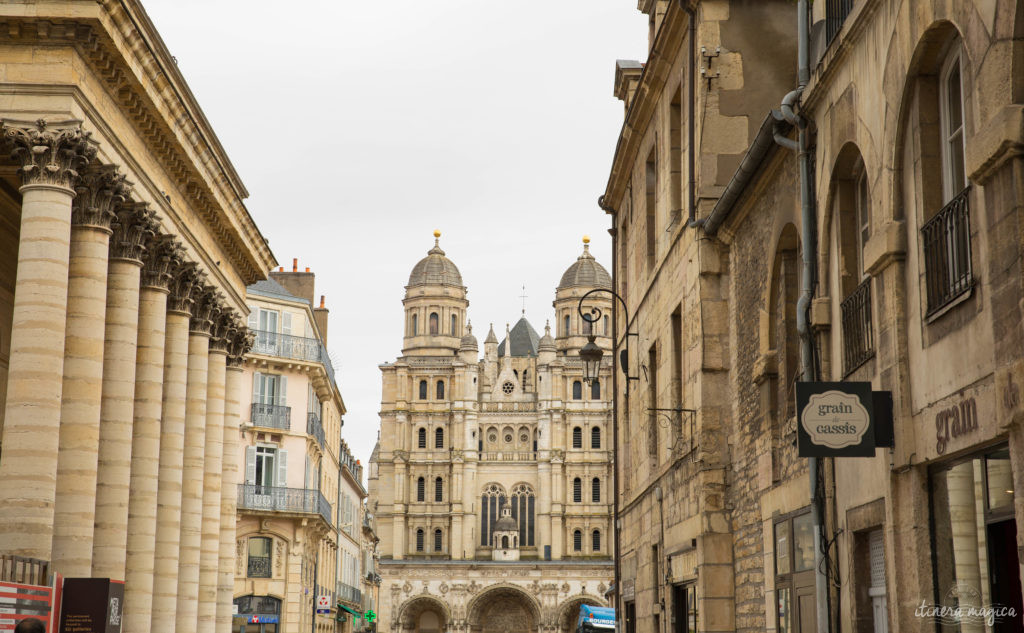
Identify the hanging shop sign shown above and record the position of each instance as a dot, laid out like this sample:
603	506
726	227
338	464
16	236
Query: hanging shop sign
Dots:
842	419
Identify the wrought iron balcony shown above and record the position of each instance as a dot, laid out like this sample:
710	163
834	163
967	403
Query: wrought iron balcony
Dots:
858	339
274	499
286	346
271	415
350	594
947	253
315	428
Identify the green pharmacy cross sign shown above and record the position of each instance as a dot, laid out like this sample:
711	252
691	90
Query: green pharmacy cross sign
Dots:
369	616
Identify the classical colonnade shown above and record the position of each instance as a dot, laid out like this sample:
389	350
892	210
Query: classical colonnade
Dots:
121	419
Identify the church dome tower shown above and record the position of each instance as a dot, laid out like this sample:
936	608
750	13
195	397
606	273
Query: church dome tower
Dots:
581	277
435	306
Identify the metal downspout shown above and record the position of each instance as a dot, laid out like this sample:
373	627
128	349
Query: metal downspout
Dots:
614	232
691	119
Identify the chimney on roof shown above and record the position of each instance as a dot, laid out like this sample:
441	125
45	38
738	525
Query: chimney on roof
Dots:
320	316
299	284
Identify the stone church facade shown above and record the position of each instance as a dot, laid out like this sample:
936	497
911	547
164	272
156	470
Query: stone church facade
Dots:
491	481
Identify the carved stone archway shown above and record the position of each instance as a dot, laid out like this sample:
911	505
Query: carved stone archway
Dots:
424	614
569	610
503	609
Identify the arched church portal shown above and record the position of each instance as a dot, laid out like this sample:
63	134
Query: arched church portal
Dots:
503	610
423	615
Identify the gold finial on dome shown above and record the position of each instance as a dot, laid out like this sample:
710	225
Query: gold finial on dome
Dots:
437	233
586	239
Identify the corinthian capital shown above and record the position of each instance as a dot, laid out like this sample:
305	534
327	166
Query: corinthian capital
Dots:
134	225
49	153
184	279
224	327
100	189
206	306
163	256
240	343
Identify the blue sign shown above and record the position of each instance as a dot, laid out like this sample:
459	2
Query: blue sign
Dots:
258	619
323	611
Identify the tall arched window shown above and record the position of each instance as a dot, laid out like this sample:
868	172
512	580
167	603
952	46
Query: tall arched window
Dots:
588	327
607	326
565	326
421	489
414	325
437	540
523	501
439	438
596	544
577	390
595	437
524	379
423	390
439	489
419	539
492	500
595	490
440	390
577	437
577	541
433	324
421	438
595	390
455	325
577	490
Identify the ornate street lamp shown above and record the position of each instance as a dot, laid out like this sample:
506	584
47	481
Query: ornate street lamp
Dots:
591	353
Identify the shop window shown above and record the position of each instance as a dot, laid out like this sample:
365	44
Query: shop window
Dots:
974	537
794	574
577	437
259	557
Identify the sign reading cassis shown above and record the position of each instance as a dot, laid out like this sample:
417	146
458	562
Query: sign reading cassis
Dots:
835	419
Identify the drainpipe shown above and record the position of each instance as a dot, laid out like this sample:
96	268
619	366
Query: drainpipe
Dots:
808	234
691	119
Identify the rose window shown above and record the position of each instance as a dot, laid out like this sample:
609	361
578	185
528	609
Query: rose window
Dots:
508	387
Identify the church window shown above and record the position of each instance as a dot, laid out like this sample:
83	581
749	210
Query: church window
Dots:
492	501
421	438
565	326
523	501
595	437
440	390
577	390
439	489
595	490
577	437
588	327
508	438
508	387
504	542
437	540
439	438
577	541
423	390
596	544
455	324
607	328
419	540
433	323
524	380
577	490
421	492
414	332
595	390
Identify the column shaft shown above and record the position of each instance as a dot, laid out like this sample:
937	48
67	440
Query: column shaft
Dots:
192	483
172	440
116	417
32	411
213	463
79	438
145	469
228	499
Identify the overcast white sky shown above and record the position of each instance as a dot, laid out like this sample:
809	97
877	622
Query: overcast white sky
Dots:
360	127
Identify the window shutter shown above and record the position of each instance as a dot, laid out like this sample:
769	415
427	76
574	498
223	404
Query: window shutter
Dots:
253	318
250	464
286	323
282	468
282	391
257	384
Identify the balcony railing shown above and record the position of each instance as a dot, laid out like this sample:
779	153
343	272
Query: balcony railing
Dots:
947	253
259	567
508	456
350	594
314	428
272	498
271	415
858	339
286	346
835	14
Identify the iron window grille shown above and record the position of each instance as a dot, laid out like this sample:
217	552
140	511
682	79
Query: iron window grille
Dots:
835	15
947	253
259	567
858	339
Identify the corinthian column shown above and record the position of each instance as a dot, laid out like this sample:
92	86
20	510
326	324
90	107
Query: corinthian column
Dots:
162	255
135	224
50	157
172	439
101	188
239	345
213	464
192	474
